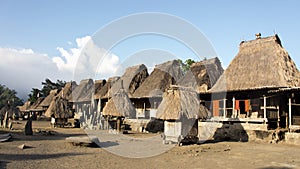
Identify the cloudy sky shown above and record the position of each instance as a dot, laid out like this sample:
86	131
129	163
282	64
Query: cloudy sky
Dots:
44	39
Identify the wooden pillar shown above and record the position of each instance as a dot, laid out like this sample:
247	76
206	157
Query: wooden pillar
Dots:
224	108
265	107
278	117
290	112
233	107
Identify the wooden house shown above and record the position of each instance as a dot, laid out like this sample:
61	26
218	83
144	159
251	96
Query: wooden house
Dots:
259	87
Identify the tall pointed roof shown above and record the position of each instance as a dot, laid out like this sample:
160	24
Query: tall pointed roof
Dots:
46	102
160	79
133	77
83	92
260	63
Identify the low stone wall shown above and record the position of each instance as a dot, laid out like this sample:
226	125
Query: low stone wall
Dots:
292	138
145	125
216	131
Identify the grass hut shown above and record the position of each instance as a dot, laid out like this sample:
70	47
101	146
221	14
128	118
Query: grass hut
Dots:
46	102
117	108
59	110
202	75
261	85
180	109
36	109
149	95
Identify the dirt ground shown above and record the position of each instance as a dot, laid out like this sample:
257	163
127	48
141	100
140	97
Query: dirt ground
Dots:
51	150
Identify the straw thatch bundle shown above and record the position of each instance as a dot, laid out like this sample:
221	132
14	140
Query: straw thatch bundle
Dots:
83	92
59	108
119	105
160	79
179	102
202	75
132	78
99	84
66	92
46	102
103	91
260	63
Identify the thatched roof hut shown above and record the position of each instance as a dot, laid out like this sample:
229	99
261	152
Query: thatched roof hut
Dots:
83	92
66	92
46	102
260	63
202	75
133	77
179	102
160	79
119	105
59	108
103	91
99	84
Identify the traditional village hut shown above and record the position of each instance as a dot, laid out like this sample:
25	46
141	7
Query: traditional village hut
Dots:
60	108
117	108
24	108
46	102
180	109
261	85
35	109
148	96
202	75
82	97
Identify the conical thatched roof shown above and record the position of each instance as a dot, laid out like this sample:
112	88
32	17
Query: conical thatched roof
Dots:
83	92
99	84
46	102
25	107
202	75
59	108
119	105
132	78
181	102
160	79
260	63
103	91
66	92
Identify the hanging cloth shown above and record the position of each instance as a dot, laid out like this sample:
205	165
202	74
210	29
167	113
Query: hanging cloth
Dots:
216	108
237	105
247	105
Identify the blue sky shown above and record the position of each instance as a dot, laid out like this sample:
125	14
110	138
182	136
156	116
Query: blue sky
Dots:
40	27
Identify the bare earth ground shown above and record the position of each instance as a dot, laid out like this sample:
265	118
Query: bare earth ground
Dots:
53	151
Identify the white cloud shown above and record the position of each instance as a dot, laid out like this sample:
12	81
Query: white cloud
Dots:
24	69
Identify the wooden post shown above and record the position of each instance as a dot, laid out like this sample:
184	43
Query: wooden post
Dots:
265	107
224	108
278	116
290	112
233	108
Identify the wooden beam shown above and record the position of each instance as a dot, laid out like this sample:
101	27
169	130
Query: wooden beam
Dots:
224	108
265	107
290	112
233	107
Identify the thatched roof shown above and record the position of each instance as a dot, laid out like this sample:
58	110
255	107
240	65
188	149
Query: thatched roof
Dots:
260	63
24	107
83	92
179	102
59	108
202	75
160	79
36	105
119	105
66	92
99	84
132	78
46	102
103	91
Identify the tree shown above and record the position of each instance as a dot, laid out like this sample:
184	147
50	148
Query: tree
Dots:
48	85
186	65
8	99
